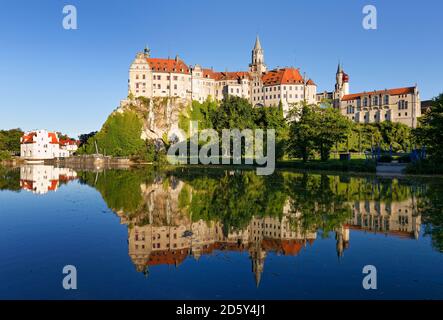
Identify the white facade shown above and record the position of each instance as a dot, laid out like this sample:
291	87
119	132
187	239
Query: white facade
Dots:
44	145
154	77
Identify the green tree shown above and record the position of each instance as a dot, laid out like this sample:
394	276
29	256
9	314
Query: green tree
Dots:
316	128
10	140
429	132
119	136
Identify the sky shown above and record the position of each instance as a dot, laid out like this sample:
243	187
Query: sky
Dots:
70	80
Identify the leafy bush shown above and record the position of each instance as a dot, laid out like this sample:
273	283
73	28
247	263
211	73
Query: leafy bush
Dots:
119	136
4	155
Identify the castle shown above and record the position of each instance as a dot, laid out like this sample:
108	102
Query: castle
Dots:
157	77
173	78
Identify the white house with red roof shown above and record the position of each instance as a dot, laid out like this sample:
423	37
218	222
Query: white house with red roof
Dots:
158	77
45	145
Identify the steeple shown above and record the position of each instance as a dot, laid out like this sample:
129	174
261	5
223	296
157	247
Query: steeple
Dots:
257	43
257	64
339	68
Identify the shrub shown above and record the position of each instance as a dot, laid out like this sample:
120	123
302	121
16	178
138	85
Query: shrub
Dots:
4	155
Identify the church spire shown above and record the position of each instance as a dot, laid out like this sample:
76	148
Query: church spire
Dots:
257	43
339	68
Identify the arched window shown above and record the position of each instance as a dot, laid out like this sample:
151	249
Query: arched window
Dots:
386	99
375	100
365	101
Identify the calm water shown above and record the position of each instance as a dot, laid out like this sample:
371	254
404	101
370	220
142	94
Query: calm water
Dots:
217	234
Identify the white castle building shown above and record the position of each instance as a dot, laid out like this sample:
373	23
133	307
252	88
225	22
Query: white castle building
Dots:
158	77
396	105
44	145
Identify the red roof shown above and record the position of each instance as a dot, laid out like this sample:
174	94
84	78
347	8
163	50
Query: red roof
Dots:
167	257
68	142
235	75
53	185
168	65
310	83
27	184
391	92
53	137
282	76
209	73
28	138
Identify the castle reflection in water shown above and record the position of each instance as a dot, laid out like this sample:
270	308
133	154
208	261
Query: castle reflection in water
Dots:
165	234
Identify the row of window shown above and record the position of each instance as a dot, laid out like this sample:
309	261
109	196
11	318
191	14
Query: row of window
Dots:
402	105
366	117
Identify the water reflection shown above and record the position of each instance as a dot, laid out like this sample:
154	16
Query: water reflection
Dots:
175	214
41	179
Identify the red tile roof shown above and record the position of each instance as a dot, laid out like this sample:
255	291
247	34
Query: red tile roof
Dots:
209	73
27	184
28	138
310	83
168	65
53	137
235	75
53	186
391	92
68	142
282	76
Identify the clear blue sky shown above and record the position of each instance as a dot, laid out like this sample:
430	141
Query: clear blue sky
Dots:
70	80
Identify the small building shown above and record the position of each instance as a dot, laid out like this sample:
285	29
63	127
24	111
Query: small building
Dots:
44	145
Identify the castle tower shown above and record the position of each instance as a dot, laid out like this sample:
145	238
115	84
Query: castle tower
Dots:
258	256
341	84
258	58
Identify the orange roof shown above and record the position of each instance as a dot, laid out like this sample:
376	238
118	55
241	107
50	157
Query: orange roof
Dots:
168	65
53	185
391	92
209	73
310	83
291	247
282	76
53	137
68	142
167	257
28	138
235	75
27	184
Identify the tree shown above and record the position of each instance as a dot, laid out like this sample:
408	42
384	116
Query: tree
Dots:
273	118
119	136
429	133
233	113
315	128
333	128
301	132
10	140
83	138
